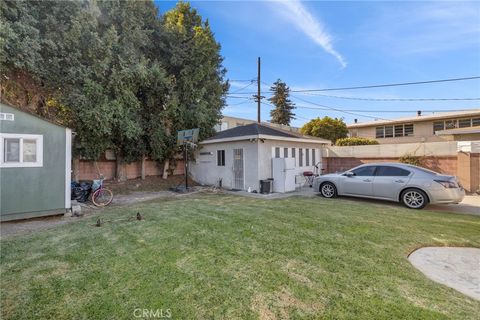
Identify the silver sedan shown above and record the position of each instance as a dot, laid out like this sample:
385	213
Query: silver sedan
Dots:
415	187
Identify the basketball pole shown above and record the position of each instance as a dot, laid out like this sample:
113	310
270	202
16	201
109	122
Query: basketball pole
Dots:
185	159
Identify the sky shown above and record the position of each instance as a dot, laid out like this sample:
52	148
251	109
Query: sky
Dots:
336	44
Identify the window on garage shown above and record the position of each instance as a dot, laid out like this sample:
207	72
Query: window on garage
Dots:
285	152
307	157
221	158
300	157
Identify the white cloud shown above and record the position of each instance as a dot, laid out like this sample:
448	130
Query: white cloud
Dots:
295	12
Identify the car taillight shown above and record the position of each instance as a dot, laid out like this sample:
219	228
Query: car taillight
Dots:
447	183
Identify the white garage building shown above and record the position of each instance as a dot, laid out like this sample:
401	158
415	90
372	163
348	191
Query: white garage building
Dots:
240	157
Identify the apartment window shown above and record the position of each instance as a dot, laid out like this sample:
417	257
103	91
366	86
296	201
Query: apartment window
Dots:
313	157
379	132
307	157
388	131
464	123
285	152
475	122
408	129
277	152
300	157
19	150
450	124
293	153
438	126
221	158
399	131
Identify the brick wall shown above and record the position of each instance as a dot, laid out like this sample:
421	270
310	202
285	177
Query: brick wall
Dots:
466	166
88	170
446	165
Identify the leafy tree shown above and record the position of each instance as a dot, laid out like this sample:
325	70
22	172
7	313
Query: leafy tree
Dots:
355	141
326	128
282	114
120	75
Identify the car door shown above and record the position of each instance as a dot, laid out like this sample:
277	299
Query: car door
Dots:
360	183
389	181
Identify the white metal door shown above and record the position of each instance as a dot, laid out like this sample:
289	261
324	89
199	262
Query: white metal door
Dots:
238	171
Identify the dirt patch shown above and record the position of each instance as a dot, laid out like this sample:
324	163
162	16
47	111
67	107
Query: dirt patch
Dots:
150	184
279	305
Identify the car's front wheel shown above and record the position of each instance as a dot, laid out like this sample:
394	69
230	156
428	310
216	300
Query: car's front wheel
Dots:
328	190
414	198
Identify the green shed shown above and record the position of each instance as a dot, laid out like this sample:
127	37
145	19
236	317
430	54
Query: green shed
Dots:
35	165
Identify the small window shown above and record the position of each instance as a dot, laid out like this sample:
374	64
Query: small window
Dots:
408	129
293	153
364	171
399	130
221	158
386	171
379	132
21	150
307	157
464	123
438	126
277	152
475	122
450	124
285	152
300	157
313	157
29	150
388	131
12	150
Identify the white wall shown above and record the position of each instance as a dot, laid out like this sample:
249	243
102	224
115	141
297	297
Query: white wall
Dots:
205	170
394	150
267	152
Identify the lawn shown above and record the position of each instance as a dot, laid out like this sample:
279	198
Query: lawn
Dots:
219	256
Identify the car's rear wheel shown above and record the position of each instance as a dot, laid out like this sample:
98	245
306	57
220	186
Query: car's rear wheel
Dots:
328	190
414	198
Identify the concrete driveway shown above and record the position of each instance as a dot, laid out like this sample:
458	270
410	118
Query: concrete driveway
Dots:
469	205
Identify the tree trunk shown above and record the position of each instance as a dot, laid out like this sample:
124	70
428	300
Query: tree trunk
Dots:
166	166
120	173
76	169
143	168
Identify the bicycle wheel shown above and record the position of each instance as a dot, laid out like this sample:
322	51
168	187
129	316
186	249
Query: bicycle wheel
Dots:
102	197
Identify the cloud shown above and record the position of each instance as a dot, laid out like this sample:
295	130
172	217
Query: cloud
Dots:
295	12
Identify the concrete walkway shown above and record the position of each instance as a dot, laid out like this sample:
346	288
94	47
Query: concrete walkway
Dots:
458	268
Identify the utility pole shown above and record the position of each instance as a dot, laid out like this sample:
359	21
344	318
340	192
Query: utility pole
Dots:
259	98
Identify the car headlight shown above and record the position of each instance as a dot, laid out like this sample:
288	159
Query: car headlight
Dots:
447	183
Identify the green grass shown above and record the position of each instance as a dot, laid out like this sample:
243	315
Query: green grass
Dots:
217	256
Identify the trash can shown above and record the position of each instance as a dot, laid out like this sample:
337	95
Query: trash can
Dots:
266	186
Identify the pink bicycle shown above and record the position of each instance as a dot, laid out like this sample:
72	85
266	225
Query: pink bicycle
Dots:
101	196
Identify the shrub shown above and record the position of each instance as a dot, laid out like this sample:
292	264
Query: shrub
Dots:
355	141
411	159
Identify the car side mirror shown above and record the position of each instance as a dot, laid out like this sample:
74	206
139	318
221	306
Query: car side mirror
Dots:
349	174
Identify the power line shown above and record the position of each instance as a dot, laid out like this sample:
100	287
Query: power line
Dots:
389	85
242	88
383	85
392	99
339	110
385	111
249	80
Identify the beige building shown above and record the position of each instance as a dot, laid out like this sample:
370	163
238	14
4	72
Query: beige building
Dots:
228	122
444	126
